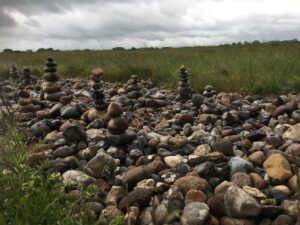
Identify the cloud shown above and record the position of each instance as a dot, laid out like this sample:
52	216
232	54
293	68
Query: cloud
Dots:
100	24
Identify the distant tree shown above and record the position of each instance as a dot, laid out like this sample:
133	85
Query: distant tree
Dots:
49	49
256	42
295	40
40	50
7	50
118	48
29	50
133	48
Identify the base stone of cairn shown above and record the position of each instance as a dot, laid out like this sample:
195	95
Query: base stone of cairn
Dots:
118	133
133	88
13	72
184	89
51	88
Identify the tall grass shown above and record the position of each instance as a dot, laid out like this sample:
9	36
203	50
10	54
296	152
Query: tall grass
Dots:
250	69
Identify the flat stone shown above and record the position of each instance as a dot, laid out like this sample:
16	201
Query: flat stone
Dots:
74	133
75	177
195	213
224	147
276	166
174	161
292	133
102	165
239	204
139	197
133	176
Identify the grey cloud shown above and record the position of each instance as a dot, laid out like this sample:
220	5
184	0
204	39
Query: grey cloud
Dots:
6	20
106	24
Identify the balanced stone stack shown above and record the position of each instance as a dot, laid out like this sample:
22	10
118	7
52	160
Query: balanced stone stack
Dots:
51	88
184	89
133	88
209	91
27	78
97	89
13	72
118	133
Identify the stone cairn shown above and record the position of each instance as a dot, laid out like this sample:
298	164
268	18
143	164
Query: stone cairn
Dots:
184	89
27	77
209	91
51	88
13	72
118	132
97	89
133	88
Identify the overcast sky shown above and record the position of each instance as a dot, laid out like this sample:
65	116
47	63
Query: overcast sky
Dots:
104	24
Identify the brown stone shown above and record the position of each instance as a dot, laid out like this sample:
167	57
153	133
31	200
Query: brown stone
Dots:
258	181
114	110
233	221
194	196
42	114
257	157
241	179
139	197
280	110
117	125
66	99
188	183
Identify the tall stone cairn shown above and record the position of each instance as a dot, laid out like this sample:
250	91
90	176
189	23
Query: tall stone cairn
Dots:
97	89
184	89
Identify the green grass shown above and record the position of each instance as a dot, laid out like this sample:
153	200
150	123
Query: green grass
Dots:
31	196
252	69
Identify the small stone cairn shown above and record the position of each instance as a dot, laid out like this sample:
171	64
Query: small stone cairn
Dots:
97	89
209	91
13	72
133	88
184	89
51	88
27	78
118	133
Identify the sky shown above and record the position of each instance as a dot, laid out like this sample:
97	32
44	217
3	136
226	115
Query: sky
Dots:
105	24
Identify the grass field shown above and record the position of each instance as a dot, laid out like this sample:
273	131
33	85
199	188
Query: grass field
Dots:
248	69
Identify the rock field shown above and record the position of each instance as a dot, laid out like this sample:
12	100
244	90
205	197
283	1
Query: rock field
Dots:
159	156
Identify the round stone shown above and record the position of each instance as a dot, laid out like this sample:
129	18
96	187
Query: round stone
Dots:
117	125
114	110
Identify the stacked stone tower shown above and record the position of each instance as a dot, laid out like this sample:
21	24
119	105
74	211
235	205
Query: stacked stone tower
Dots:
133	88
13	72
184	89
51	88
97	89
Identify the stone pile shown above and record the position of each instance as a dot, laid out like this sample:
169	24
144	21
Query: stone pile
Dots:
220	158
118	133
133	88
184	89
13	72
27	78
51	87
97	89
209	91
